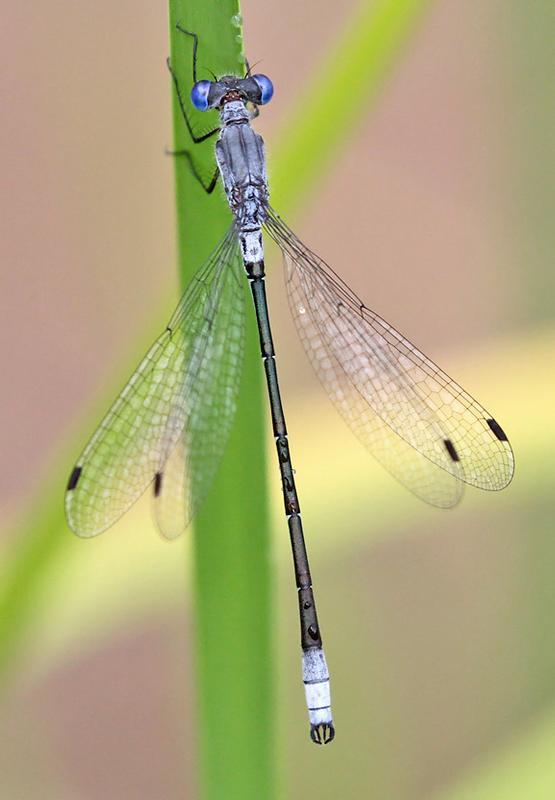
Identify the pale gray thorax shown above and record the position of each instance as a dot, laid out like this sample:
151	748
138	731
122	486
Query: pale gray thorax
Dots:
242	163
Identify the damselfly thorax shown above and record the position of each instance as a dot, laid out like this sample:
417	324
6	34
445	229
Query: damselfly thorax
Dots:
242	165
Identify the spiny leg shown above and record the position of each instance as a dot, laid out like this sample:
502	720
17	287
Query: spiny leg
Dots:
208	187
195	48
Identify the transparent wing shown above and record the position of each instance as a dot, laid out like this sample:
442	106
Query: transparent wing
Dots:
412	417
175	413
211	391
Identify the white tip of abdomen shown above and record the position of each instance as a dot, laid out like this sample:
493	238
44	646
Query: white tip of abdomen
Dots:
316	681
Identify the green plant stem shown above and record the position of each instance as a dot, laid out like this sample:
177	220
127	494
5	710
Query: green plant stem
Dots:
232	579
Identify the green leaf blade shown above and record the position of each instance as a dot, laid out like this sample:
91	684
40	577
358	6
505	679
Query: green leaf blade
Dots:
232	578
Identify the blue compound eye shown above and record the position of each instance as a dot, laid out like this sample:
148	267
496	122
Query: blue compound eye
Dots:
266	88
199	95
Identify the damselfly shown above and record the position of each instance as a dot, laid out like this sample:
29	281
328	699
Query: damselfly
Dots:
169	426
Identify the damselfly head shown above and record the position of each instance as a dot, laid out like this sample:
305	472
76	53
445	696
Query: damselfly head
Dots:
256	89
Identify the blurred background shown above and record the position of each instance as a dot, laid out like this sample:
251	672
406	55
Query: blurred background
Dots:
439	625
